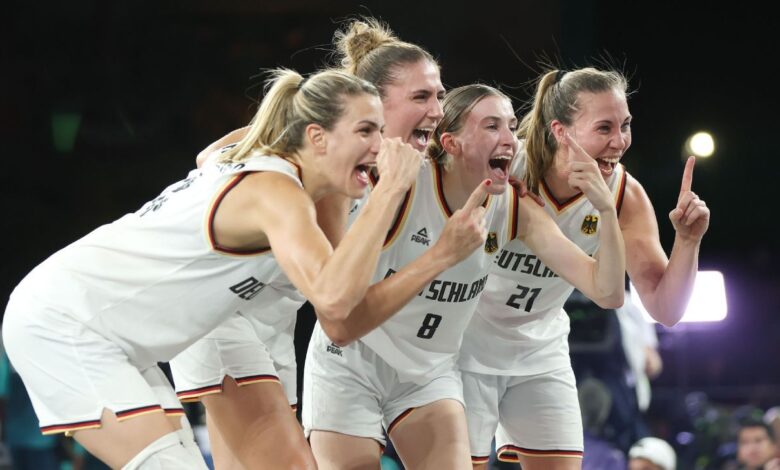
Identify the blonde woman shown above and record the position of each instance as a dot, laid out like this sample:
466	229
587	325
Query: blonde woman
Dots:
143	288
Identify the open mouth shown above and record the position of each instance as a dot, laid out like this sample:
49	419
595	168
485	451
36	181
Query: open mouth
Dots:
607	165
361	172
420	138
499	166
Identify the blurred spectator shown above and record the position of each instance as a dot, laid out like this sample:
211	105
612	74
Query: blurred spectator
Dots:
756	448
651	453
595	404
640	345
772	419
596	345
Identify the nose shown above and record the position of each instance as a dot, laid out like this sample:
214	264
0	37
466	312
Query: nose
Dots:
376	143
620	141
507	137
435	110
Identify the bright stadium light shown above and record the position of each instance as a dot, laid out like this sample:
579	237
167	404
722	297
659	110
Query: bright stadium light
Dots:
708	301
700	144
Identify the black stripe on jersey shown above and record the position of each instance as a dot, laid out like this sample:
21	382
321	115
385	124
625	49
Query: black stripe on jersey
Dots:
252	379
621	192
215	205
207	388
440	189
514	214
399	217
69	427
439	180
508	453
559	206
122	415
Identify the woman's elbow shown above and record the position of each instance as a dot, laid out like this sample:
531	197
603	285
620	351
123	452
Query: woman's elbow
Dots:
614	300
336	333
331	309
663	314
667	320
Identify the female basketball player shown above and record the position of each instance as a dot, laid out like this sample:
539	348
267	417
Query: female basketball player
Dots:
517	377
235	370
86	328
401	374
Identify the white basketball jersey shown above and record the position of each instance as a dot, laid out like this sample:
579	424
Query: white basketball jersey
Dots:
423	338
520	327
155	280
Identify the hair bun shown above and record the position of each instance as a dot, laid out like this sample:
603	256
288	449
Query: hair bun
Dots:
359	39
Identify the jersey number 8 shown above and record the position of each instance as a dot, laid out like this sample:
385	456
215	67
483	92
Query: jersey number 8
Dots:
429	325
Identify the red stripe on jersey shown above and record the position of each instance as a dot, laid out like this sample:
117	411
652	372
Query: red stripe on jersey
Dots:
398	420
514	218
173	411
70	427
399	218
508	453
213	212
127	414
256	378
559	206
439	182
196	393
621	192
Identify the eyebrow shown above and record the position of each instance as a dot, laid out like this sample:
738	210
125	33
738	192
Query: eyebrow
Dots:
498	118
367	122
426	92
609	121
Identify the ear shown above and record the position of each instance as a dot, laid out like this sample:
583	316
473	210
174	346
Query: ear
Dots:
558	129
450	143
316	136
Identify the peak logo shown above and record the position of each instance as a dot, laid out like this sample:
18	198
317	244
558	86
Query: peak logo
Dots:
421	237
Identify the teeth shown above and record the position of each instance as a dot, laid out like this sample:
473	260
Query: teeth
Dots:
611	160
500	162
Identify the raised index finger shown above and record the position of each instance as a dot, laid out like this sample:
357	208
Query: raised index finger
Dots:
478	196
576	152
687	178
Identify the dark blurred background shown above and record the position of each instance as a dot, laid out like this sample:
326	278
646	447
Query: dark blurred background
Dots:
105	103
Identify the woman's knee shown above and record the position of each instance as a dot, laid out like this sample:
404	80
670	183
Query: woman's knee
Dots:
302	460
551	463
118	442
